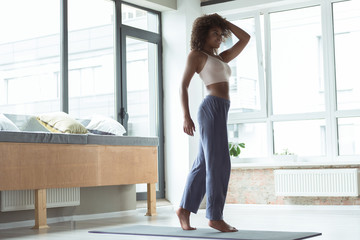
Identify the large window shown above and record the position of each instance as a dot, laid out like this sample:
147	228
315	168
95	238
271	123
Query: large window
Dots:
311	80
29	56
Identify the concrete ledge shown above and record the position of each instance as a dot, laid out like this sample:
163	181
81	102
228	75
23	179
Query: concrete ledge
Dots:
158	5
277	165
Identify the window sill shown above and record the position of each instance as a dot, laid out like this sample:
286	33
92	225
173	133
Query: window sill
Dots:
277	165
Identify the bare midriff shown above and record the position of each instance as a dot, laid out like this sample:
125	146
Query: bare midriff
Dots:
220	89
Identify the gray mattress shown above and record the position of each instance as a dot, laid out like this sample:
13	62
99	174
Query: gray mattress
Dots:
60	138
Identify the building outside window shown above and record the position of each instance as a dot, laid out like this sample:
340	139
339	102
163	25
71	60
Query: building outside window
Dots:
91	58
29	56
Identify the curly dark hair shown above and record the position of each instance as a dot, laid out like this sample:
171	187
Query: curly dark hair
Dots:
201	27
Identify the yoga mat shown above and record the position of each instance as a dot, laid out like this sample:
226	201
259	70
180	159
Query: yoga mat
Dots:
206	233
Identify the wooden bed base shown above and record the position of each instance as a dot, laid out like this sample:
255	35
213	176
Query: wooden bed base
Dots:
43	166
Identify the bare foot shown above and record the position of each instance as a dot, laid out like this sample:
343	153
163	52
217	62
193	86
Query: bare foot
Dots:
222	226
184	218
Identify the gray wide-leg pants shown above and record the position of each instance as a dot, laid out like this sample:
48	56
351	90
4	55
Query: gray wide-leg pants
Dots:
210	172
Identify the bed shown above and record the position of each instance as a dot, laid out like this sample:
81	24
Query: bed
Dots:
42	160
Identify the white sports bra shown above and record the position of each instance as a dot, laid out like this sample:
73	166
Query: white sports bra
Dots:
215	71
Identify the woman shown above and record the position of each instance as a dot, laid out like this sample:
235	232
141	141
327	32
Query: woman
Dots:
211	170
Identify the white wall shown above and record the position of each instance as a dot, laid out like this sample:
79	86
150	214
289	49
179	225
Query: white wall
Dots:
180	149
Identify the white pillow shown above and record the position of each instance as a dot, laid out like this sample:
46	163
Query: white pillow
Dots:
7	125
105	126
33	125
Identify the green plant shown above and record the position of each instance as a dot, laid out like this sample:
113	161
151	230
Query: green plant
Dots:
235	148
285	152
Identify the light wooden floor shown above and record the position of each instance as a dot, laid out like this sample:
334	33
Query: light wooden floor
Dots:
334	223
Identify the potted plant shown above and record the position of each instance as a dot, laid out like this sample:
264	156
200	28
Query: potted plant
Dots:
235	148
285	155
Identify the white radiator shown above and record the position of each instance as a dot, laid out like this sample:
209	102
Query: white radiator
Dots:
24	199
317	182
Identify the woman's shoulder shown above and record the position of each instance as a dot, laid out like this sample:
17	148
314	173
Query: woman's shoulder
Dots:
197	55
197	59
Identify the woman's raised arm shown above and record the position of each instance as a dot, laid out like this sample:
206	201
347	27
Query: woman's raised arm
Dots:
235	50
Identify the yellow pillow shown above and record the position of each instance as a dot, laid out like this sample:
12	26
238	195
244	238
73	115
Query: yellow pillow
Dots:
61	122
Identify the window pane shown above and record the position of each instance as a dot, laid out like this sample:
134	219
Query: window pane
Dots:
296	61
91	58
347	52
142	97
349	136
138	18
303	138
141	70
254	137
29	56
244	80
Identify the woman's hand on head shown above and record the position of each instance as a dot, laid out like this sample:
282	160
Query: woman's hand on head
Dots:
189	126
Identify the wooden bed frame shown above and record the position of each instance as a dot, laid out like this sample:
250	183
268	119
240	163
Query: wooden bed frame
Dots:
41	166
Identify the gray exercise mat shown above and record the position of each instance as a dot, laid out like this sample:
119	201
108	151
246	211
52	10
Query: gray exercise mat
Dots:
206	233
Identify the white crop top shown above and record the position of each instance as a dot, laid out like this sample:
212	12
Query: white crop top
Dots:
215	71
